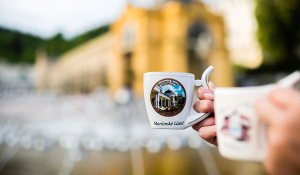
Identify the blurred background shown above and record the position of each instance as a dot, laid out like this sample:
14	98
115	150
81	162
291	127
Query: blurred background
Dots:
71	75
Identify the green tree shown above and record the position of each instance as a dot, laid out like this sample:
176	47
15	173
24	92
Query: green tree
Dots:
279	31
17	47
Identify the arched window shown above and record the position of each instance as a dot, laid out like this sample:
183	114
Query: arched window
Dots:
199	44
127	45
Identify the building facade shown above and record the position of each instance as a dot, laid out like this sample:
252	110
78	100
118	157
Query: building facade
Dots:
173	37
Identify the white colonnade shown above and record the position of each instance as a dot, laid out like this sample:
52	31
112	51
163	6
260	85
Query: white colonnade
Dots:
162	101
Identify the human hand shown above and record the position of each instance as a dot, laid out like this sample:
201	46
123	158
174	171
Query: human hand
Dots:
281	112
207	127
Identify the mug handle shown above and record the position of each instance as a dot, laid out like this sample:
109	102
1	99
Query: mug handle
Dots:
289	81
191	120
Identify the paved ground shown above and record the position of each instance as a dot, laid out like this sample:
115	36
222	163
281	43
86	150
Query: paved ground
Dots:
67	120
167	162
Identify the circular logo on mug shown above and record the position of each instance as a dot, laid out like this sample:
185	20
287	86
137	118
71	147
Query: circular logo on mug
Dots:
168	97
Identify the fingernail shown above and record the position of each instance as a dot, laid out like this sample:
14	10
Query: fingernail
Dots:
212	85
208	96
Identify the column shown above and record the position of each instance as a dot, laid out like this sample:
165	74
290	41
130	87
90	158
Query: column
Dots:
156	101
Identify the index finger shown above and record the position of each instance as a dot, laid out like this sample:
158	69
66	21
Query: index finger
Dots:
284	97
204	94
267	111
210	121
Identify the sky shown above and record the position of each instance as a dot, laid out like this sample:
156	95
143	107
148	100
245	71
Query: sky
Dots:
46	18
177	89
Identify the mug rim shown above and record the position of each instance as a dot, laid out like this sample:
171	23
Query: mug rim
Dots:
169	74
236	90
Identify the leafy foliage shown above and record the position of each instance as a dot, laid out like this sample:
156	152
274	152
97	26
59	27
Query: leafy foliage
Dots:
17	47
279	30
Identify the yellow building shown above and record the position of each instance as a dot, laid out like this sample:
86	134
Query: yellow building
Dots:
175	37
82	69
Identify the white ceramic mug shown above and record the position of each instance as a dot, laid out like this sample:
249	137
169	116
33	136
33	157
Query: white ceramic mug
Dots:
169	96
241	136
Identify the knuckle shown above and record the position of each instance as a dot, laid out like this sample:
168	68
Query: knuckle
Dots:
204	106
196	104
199	93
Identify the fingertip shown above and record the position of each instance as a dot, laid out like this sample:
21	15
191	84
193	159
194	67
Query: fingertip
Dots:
202	133
211	86
207	132
201	93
